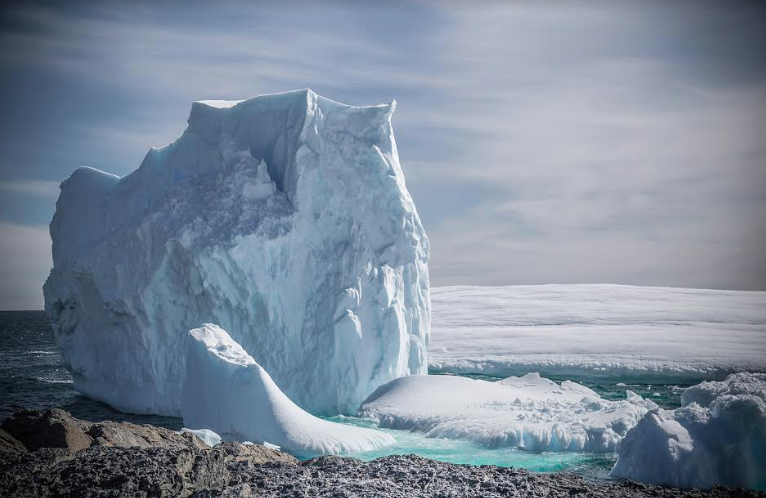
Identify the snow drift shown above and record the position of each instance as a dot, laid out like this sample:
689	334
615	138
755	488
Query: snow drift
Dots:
226	391
528	412
283	218
718	437
637	334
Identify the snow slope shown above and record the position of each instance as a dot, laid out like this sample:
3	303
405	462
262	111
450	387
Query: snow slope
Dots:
718	437
226	391
527	412
590	331
283	218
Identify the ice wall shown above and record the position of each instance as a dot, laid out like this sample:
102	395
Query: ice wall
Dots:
284	218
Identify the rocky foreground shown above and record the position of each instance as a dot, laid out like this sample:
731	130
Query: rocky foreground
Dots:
50	453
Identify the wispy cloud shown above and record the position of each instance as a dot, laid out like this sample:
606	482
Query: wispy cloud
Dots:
542	142
47	188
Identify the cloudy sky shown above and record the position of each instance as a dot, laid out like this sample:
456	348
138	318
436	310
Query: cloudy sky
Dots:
557	142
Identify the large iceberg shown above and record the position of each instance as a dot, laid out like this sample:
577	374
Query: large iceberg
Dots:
529	412
717	437
284	219
227	391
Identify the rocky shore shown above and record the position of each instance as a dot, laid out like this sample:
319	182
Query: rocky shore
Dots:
50	453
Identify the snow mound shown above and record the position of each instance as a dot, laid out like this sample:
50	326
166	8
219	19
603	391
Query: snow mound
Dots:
284	218
718	437
209	437
638	334
227	391
528	412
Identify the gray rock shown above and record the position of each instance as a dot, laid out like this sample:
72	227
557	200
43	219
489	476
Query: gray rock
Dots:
126	435
127	460
55	428
9	444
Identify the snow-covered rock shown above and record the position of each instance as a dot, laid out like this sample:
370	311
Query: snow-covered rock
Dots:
641	334
718	437
528	412
227	391
283	218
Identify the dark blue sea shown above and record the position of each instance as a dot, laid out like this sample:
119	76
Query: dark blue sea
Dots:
31	374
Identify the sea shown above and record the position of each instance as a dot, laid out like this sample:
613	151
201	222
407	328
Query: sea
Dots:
32	376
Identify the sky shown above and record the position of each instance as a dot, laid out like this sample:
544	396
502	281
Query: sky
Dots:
542	142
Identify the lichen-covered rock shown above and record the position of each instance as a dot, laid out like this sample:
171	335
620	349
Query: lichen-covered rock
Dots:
227	470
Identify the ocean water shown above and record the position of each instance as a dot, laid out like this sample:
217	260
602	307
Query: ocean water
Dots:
31	376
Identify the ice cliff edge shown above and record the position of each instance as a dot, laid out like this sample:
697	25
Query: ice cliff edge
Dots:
284	218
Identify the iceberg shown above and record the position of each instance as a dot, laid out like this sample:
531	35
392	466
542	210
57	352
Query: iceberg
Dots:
285	219
617	332
529	412
226	391
717	438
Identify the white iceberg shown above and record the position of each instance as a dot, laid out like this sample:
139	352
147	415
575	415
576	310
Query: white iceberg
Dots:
717	438
228	392
528	412
283	218
639	334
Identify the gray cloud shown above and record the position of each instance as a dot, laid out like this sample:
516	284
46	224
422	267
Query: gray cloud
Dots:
546	142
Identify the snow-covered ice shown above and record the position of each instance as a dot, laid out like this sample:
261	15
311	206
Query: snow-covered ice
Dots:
717	437
527	412
209	437
284	218
590	331
226	391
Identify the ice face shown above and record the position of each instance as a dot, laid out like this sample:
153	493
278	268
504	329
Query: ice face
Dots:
717	438
527	412
284	218
227	391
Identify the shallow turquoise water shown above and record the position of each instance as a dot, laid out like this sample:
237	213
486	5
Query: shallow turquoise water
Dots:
590	465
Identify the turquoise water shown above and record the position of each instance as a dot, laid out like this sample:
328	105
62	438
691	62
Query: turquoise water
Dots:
589	465
31	376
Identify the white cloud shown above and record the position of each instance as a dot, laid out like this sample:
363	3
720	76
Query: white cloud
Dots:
618	144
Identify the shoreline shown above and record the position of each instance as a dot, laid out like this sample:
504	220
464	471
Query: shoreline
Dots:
51	453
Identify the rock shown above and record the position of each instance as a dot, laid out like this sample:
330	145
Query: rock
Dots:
9	444
126	435
233	469
55	428
254	453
